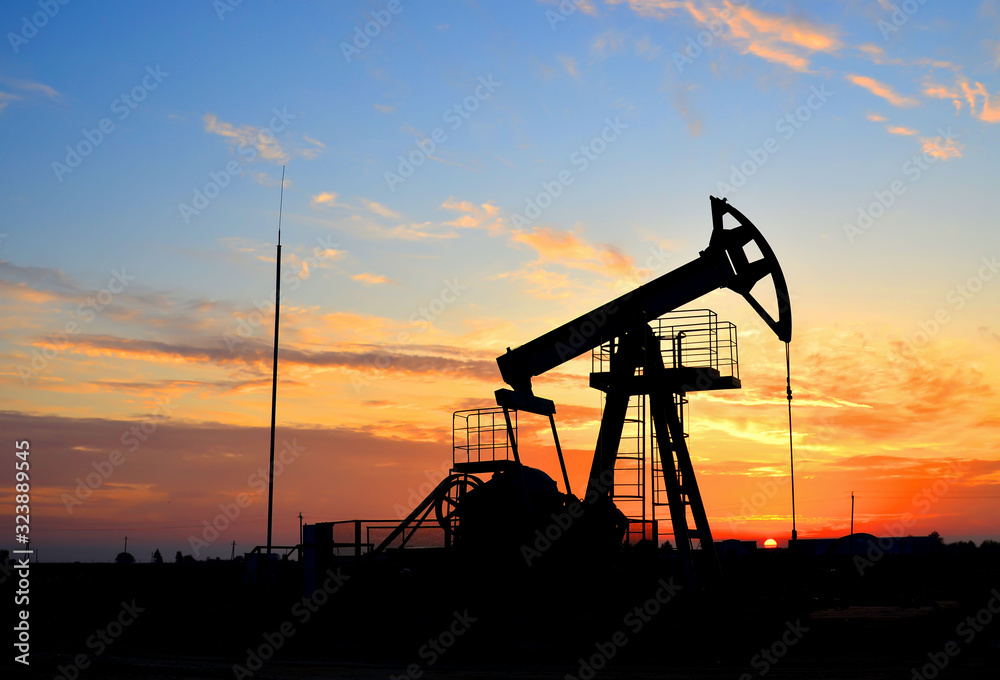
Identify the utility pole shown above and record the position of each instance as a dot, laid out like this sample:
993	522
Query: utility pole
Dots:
300	528
232	556
852	522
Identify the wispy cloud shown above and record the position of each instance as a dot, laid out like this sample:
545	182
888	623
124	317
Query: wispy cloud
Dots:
882	90
324	198
657	9
17	89
543	284
585	6
388	359
941	148
989	111
370	279
569	64
571	250
483	216
900	130
261	139
380	209
786	40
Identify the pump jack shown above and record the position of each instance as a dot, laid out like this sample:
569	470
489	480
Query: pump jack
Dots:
636	365
474	512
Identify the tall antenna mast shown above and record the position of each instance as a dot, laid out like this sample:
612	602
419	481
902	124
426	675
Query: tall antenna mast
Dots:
274	366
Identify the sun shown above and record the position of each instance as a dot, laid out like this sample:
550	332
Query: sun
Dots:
770	544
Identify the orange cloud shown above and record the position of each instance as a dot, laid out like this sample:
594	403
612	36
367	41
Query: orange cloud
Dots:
570	250
771	53
785	40
793	31
657	9
990	111
380	209
963	93
21	292
882	90
876	117
485	215
941	92
374	359
370	279
545	285
324	198
941	148
900	130
259	138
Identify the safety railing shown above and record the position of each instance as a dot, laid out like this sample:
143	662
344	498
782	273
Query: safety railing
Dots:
480	435
692	338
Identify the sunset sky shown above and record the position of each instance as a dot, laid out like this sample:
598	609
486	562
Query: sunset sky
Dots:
461	179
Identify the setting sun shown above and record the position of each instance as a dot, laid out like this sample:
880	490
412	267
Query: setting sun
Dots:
770	544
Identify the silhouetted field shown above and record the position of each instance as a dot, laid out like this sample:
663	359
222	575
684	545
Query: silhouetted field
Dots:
427	614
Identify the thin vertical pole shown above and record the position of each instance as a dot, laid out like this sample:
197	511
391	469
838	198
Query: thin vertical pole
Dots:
791	446
274	365
852	522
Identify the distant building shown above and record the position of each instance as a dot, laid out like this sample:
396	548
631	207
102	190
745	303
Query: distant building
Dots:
865	543
732	547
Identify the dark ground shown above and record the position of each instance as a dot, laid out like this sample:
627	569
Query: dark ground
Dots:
198	620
